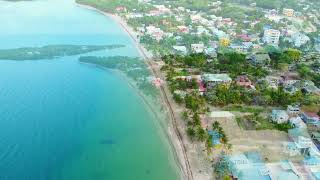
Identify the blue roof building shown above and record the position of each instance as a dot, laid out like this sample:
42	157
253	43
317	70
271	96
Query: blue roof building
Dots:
249	166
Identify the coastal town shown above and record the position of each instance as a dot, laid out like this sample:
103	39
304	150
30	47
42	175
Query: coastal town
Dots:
243	81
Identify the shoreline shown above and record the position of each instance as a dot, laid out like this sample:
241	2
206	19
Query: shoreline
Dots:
173	132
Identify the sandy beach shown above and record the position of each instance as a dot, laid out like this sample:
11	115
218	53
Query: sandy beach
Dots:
176	138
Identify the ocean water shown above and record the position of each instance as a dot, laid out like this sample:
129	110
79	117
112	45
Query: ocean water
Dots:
61	119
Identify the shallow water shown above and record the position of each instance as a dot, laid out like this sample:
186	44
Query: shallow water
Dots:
61	119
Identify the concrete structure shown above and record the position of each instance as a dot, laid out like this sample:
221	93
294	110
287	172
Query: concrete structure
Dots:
271	36
279	116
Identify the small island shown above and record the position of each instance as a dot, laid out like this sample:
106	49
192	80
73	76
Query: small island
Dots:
52	51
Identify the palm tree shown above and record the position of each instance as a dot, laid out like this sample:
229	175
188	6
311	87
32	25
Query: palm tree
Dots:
201	134
215	125
191	133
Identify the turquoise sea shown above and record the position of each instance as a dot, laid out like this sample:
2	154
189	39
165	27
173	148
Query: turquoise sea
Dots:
64	120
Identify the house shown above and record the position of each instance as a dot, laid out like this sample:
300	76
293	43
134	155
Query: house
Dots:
211	52
293	110
279	116
259	59
180	50
311	89
310	118
154	32
288	12
283	170
273	81
247	166
162	9
315	136
121	9
237	47
196	18
201	30
302	140
211	80
312	161
271	36
244	81
291	149
297	122
289	79
299	39
197	48
304	144
307	87
183	29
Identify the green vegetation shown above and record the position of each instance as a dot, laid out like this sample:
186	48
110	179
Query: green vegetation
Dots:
222	166
240	108
51	51
256	121
306	72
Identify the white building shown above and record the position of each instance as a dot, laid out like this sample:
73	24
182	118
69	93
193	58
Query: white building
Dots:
297	122
293	110
279	116
180	49
299	39
271	36
154	32
197	48
288	12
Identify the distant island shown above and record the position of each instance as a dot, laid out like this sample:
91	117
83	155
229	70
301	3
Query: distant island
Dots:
51	51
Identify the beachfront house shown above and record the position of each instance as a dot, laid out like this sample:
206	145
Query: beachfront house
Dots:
211	80
279	116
